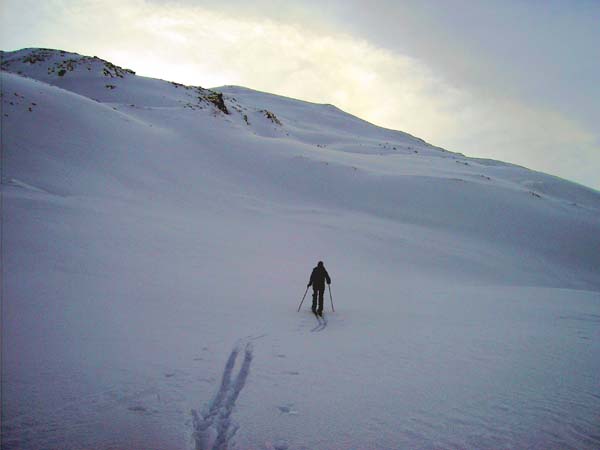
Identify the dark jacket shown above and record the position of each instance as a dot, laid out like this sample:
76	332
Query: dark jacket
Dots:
318	277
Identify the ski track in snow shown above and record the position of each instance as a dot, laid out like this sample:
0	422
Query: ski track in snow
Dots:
213	429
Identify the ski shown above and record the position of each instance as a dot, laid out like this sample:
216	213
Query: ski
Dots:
322	323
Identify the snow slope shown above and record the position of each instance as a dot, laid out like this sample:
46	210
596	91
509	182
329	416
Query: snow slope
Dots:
156	244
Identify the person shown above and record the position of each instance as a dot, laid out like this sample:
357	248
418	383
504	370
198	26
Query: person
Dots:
317	280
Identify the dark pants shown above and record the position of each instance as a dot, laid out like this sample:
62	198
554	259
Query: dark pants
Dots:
318	295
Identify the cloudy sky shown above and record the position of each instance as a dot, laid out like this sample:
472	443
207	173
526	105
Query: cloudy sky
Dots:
512	80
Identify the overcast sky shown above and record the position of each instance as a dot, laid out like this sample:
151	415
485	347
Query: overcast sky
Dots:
517	81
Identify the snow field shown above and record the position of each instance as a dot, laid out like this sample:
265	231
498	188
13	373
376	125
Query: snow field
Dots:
146	246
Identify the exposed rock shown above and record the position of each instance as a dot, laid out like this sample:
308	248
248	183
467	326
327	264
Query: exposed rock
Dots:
216	98
271	116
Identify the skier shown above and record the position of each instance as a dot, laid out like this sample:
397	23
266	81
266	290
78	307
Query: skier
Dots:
317	281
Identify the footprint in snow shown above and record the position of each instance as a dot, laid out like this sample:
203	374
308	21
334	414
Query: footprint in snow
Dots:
287	409
277	445
137	408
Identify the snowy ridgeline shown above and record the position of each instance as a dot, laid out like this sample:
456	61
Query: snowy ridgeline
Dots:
158	238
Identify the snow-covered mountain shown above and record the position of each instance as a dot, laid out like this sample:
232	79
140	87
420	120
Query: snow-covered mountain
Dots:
157	240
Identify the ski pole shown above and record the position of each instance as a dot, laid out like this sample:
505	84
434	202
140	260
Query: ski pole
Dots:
331	298
303	299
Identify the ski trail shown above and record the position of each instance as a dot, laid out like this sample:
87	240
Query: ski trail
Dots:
225	382
213	430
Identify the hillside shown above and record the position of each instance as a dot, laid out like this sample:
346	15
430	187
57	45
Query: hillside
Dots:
157	240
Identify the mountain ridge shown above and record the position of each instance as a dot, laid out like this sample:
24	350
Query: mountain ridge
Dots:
21	62
89	77
59	66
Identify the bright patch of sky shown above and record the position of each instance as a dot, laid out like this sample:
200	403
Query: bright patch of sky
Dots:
514	81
